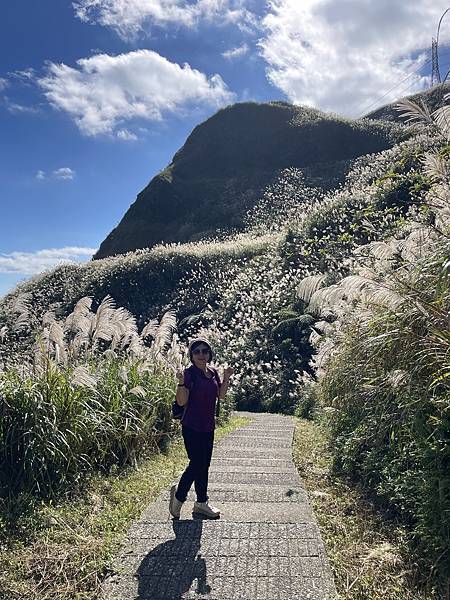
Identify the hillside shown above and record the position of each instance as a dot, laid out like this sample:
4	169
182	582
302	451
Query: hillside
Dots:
220	172
432	98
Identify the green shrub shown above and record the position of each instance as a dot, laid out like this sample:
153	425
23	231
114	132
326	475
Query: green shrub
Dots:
387	394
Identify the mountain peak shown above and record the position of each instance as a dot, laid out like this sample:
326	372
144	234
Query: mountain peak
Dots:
228	160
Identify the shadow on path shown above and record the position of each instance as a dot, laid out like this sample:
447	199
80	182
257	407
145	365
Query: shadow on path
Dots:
169	570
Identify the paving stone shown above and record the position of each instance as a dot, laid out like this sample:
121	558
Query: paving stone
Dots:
266	546
263	428
285	435
286	490
249	442
270	512
243	452
250	478
259	463
250	494
238	467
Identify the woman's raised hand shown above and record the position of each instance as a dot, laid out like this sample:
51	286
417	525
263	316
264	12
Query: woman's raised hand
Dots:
180	376
228	372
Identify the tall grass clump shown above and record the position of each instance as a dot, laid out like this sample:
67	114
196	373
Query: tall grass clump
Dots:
387	395
94	393
385	368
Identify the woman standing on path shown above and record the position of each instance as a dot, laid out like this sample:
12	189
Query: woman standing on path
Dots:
199	387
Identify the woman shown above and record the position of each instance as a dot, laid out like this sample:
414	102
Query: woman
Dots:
199	386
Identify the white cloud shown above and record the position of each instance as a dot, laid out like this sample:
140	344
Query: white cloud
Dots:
30	263
131	17
16	109
64	173
25	76
106	90
3	83
236	52
342	55
124	134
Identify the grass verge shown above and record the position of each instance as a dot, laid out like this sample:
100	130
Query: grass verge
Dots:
369	554
61	551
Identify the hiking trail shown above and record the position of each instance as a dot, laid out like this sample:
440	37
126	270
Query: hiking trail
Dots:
265	546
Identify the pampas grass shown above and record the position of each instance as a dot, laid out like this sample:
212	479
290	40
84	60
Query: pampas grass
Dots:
92	395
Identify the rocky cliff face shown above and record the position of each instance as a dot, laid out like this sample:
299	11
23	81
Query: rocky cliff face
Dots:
221	170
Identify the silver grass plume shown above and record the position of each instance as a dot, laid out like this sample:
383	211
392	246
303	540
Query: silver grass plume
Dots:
48	318
309	285
386	297
83	378
383	250
79	324
150	329
102	327
3	333
125	326
123	374
319	330
419	242
414	113
174	356
79	320
435	166
125	341
338	297
324	298
139	392
21	306
324	353
56	336
163	335
135	347
398	378
441	117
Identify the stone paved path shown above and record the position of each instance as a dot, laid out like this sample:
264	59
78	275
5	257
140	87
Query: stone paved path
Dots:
266	546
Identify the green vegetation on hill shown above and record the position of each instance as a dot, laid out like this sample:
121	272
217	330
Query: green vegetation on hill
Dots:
432	98
220	172
145	283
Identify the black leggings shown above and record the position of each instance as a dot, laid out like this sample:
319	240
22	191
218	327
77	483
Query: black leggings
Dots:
199	447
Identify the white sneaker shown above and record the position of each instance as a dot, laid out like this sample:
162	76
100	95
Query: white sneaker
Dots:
174	504
206	509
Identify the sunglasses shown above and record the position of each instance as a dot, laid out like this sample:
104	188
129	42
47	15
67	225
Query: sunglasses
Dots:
200	351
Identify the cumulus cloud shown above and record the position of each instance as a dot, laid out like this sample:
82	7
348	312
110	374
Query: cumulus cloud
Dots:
236	52
131	17
40	174
31	263
103	91
341	56
3	83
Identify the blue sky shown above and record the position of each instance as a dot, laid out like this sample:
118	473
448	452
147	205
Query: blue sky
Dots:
97	95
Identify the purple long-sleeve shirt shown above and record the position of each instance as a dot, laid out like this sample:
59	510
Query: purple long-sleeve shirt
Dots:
203	394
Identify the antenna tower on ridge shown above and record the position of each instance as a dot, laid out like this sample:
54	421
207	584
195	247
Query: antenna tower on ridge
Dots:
435	74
